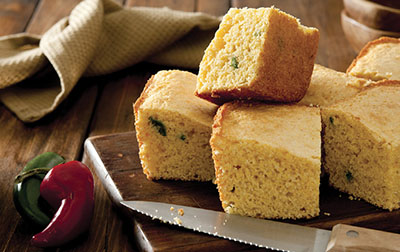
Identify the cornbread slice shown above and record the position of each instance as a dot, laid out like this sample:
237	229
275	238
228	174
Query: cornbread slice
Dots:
173	128
328	86
267	159
362	144
378	60
261	54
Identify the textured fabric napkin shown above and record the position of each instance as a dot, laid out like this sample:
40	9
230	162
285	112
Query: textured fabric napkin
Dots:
99	37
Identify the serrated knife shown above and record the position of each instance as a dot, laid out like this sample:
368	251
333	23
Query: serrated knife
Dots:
269	234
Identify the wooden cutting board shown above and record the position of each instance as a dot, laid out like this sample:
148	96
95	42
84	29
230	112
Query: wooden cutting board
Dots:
115	160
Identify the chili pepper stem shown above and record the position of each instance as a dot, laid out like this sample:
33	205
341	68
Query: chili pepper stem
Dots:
26	192
26	174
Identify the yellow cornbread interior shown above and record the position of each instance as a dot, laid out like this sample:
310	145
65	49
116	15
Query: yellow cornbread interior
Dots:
262	54
230	60
173	128
362	146
328	86
382	61
267	160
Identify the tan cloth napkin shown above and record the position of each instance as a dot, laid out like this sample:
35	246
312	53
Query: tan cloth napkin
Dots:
98	37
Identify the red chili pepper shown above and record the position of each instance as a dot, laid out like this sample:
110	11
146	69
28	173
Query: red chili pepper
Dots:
69	188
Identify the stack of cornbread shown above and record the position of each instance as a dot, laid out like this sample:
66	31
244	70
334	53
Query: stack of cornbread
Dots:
263	145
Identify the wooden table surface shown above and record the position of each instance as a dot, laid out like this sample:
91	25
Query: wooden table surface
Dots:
103	105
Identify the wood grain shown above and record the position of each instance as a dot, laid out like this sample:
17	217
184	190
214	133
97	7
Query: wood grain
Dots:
121	174
359	34
374	15
48	13
183	5
59	131
212	7
354	239
15	15
118	92
62	131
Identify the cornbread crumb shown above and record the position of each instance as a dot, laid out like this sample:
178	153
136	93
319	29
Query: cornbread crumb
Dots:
177	220
328	86
173	128
351	197
172	209
362	144
327	214
267	148
261	54
378	60
181	212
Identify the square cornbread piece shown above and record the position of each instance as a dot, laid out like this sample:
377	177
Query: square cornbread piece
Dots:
173	128
261	54
328	86
267	159
362	144
378	60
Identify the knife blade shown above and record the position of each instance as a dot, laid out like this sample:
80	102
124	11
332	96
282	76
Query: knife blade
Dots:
266	233
258	232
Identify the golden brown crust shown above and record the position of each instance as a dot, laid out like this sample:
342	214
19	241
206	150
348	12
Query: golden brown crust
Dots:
142	96
230	106
136	107
188	128
259	91
298	67
222	110
218	119
216	130
283	65
220	97
227	165
392	83
370	45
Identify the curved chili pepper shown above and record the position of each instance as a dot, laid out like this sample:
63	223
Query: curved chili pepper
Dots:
26	188
69	188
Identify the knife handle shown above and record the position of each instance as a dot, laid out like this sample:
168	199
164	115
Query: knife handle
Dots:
354	239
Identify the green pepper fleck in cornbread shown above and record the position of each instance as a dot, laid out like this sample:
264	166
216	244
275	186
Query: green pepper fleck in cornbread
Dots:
267	159
361	139
259	54
173	128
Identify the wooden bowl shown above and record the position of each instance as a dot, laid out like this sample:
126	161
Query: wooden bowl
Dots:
377	14
359	35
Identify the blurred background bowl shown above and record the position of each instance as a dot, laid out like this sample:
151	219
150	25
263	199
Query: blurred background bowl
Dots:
376	14
359	34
